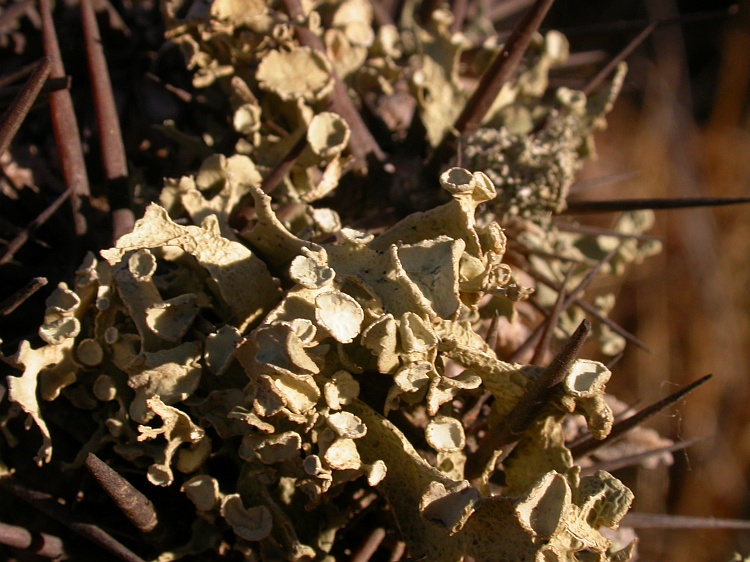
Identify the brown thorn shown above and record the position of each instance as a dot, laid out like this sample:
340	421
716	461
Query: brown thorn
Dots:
134	505
362	143
550	323
49	86
493	331
16	113
40	544
399	549
656	204
588	444
67	136
48	505
369	546
589	309
500	70
11	303
657	521
615	360
600	76
596	231
111	144
631	460
32	227
606	180
538	393
503	10
629	25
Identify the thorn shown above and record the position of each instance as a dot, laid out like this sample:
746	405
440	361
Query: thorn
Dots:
67	136
615	360
538	393
48	505
500	70
632	460
114	161
16	299
656	204
369	546
600	76
550	323
134	505
40	544
21	105
493	331
588	444
23	236
605	180
657	521
629	25
362	143
589	309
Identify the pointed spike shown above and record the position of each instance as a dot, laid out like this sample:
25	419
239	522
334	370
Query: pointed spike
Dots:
16	299
550	323
591	310
656	204
606	180
23	236
628	25
658	521
493	331
16	113
500	70
49	505
590	444
615	360
370	545
621	56
632	460
134	505
537	395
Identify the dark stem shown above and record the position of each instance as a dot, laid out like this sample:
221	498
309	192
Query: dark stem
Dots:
40	544
539	392
588	445
21	105
657	204
50	507
16	299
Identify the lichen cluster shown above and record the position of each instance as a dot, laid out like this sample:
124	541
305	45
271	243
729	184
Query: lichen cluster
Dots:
285	348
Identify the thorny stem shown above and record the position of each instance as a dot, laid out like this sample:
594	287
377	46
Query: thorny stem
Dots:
551	322
631	460
67	136
21	105
499	72
40	544
657	204
16	299
589	309
362	142
538	394
50	507
32	227
588	445
134	505
108	123
600	76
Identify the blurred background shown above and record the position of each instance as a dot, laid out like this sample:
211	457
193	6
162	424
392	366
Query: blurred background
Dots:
681	125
